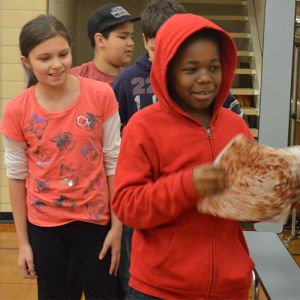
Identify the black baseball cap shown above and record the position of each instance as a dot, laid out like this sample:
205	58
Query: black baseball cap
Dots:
108	15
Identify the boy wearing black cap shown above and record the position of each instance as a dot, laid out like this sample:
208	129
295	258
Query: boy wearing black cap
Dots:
110	31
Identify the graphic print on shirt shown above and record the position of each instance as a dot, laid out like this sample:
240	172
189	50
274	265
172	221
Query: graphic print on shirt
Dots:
38	205
67	176
42	186
154	100
95	209
90	151
88	121
65	201
94	184
37	126
140	87
41	157
64	141
137	100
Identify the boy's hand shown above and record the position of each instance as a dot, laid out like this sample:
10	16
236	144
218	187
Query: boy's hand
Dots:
209	179
113	241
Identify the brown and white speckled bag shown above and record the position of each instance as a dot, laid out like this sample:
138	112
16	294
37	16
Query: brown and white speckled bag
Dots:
263	182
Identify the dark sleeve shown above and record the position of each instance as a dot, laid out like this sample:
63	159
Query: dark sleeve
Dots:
233	104
121	95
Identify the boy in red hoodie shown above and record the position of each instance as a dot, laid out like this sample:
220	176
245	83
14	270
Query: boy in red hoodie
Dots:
165	167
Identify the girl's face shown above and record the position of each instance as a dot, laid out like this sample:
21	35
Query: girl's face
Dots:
50	61
195	77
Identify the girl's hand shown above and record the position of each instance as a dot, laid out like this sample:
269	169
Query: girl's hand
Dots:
113	241
25	262
209	179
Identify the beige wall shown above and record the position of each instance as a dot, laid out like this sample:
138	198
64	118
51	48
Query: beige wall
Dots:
13	15
1	146
65	11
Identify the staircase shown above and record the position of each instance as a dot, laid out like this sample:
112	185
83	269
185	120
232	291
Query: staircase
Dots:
238	18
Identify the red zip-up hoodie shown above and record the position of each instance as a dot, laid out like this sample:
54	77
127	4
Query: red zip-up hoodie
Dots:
178	253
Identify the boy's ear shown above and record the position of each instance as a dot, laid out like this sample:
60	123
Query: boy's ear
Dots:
25	61
99	39
144	40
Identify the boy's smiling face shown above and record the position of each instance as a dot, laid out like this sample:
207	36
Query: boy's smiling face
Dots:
195	77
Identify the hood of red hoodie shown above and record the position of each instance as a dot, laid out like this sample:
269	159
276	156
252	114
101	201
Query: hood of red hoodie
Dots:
169	38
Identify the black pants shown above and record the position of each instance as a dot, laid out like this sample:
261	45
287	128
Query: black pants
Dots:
133	294
57	250
127	233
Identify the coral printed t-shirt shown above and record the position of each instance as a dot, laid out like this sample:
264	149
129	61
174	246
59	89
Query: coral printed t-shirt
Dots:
67	181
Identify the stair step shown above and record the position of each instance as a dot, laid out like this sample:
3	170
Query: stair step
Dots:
245	53
254	132
245	71
244	91
250	111
240	35
222	2
226	18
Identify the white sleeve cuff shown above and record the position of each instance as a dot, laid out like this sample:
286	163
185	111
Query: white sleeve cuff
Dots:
15	158
111	143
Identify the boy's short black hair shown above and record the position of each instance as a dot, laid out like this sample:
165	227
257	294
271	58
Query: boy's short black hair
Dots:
105	32
156	13
205	33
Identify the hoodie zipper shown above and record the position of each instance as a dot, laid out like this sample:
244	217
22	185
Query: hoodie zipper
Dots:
212	277
208	134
